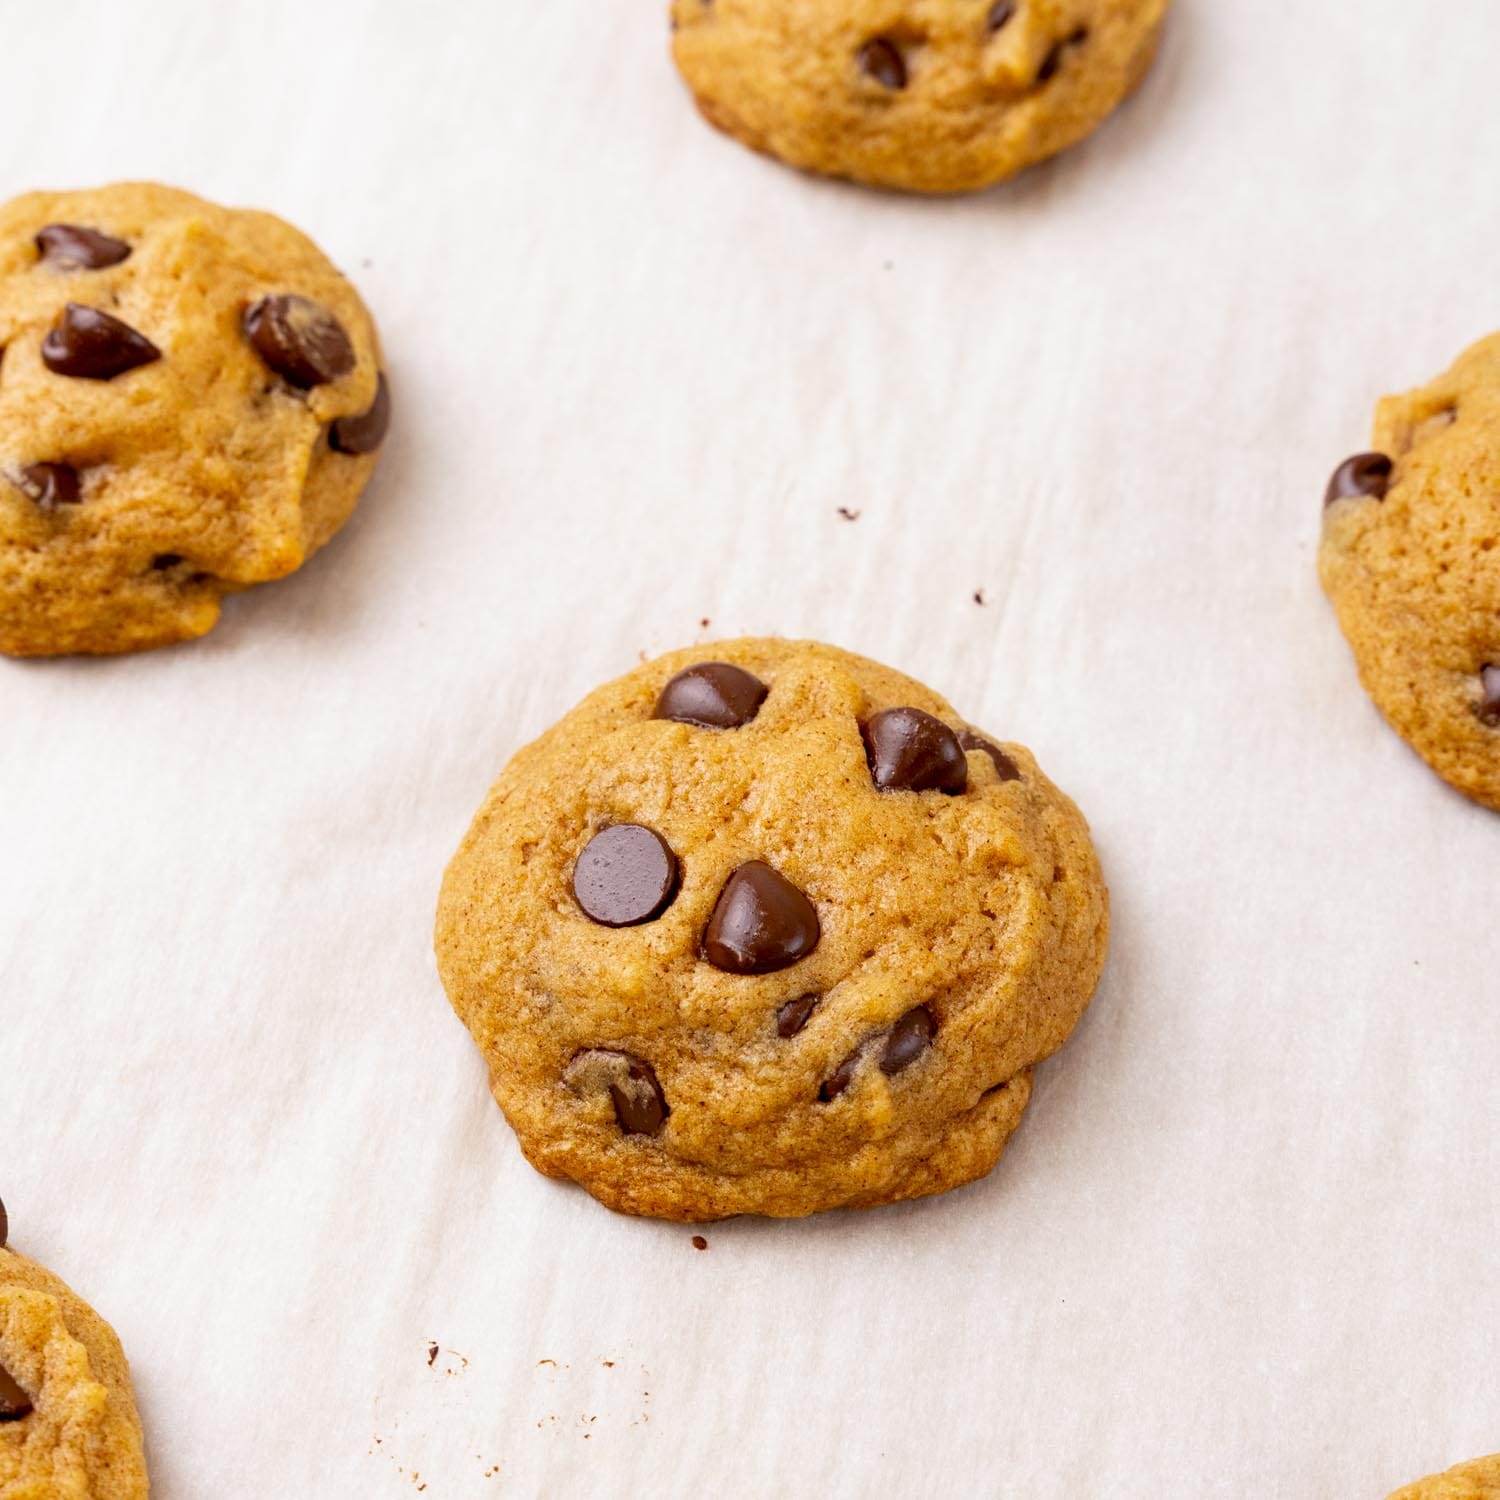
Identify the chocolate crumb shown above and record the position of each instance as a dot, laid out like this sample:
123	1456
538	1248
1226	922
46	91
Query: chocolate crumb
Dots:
432	1354
979	597
699	1243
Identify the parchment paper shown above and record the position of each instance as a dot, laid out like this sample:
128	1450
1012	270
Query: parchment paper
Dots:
1246	1242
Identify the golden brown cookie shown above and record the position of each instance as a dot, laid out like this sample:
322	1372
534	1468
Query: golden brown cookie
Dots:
765	927
191	401
68	1423
1479	1480
1411	560
934	96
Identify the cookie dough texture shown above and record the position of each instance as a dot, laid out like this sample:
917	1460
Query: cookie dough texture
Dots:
82	1440
1479	1480
1415	576
986	908
197	473
935	96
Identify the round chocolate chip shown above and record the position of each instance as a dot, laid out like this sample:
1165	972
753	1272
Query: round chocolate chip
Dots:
794	1015
14	1402
910	1037
87	344
74	247
640	1106
1489	703
1365	476
366	432
1005	767
911	751
50	485
712	695
1001	14
841	1077
626	874
881	60
760	923
301	341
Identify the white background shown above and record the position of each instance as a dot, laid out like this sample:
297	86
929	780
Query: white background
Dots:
1246	1242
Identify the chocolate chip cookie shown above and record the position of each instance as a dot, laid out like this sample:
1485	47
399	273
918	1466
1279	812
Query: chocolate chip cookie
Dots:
68	1423
934	96
1410	558
191	400
1479	1480
764	927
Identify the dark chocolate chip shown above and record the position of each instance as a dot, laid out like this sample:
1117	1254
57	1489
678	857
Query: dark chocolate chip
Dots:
301	341
4	1226
164	560
712	695
50	485
1489	704
794	1015
14	1402
841	1077
366	432
760	923
1001	14
881	59
1365	476
640	1106
74	247
90	345
1054	59
626	874
910	1037
911	751
1005	767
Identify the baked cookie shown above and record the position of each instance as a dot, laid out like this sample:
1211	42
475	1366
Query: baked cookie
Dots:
191	400
1479	1480
764	927
68	1423
935	96
1411	560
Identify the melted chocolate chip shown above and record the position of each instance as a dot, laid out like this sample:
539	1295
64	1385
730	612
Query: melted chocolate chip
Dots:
841	1077
1054	59
1005	767
712	695
87	344
910	1037
1365	476
640	1106
164	560
1489	703
50	485
301	341
14	1402
1001	14
74	247
366	432
911	751
794	1015
881	60
760	923
626	874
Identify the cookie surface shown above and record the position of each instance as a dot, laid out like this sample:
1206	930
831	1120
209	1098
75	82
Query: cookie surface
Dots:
191	401
1410	558
1479	1480
763	927
935	96
68	1424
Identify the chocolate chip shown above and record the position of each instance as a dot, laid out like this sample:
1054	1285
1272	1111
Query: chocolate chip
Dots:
910	1037
1001	13
14	1402
1489	705
699	1243
712	695
73	247
881	59
626	874
164	560
50	485
911	751
1054	59
1365	476
366	432
1005	767
841	1077
794	1015
640	1106
760	923
301	341
87	344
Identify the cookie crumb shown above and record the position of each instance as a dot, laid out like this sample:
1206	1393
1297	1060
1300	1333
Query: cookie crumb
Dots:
432	1354
704	623
979	597
699	1243
850	515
